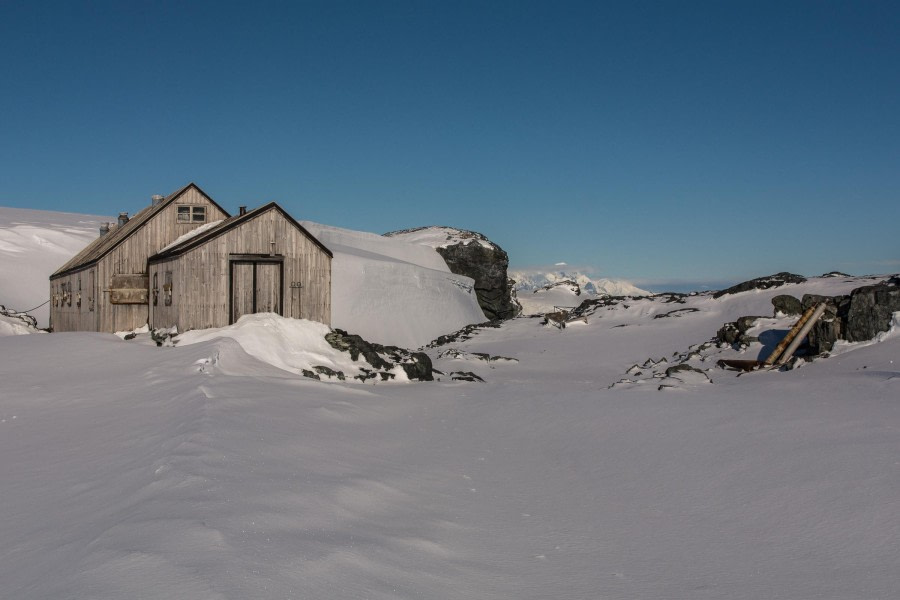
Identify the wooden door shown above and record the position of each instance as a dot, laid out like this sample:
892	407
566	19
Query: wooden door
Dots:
268	287
241	290
255	287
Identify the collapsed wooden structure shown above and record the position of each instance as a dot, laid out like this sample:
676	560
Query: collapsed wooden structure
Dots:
785	349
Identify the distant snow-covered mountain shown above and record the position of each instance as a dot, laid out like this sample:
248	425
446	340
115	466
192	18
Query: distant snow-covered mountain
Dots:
529	281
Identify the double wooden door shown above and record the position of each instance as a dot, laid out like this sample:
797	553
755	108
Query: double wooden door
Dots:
256	286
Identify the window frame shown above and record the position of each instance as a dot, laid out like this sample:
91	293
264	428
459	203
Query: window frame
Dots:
195	214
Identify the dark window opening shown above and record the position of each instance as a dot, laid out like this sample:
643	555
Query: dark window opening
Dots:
191	214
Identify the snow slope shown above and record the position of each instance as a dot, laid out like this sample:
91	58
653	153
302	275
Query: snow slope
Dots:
34	244
393	291
200	472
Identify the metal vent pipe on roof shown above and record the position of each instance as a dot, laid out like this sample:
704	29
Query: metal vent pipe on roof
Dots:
123	218
104	229
242	210
156	199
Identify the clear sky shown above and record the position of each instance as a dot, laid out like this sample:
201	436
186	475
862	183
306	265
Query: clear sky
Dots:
656	141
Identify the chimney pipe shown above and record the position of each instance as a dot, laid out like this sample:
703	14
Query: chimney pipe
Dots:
104	229
156	199
123	218
242	210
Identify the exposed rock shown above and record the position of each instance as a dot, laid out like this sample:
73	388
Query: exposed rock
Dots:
787	305
871	309
736	331
465	376
762	283
27	320
835	274
471	254
676	370
678	312
830	328
465	333
861	316
328	372
417	365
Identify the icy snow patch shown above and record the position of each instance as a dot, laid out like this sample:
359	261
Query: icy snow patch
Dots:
192	234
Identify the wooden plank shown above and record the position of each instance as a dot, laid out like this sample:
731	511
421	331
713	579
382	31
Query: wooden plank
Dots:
128	296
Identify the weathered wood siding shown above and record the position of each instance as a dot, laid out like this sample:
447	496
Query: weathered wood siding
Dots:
74	310
130	257
200	277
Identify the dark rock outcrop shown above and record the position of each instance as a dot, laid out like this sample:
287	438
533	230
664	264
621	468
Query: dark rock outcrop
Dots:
871	309
736	331
487	266
861	316
762	283
471	254
417	365
787	305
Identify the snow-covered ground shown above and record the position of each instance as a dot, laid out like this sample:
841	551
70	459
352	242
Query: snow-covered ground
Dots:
211	470
34	244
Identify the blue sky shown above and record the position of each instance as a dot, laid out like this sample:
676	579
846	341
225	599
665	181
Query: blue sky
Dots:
663	142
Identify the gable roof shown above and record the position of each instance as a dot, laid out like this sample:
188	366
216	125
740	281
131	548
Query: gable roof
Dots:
103	245
229	224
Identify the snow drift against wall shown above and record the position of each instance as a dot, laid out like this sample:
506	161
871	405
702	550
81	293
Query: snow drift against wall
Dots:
394	292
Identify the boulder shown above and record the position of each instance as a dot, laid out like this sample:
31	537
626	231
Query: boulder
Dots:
787	305
871	309
861	316
487	266
471	254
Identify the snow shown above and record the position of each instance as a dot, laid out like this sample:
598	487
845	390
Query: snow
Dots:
441	237
13	326
392	291
293	345
192	234
211	470
527	281
34	244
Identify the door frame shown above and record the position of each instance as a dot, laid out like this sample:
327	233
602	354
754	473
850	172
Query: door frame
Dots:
254	259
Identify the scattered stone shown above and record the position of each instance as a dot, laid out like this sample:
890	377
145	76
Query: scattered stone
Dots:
465	376
835	274
465	333
164	336
311	374
679	312
328	372
27	319
417	365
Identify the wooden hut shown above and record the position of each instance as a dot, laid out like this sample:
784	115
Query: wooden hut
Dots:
184	261
105	287
257	261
